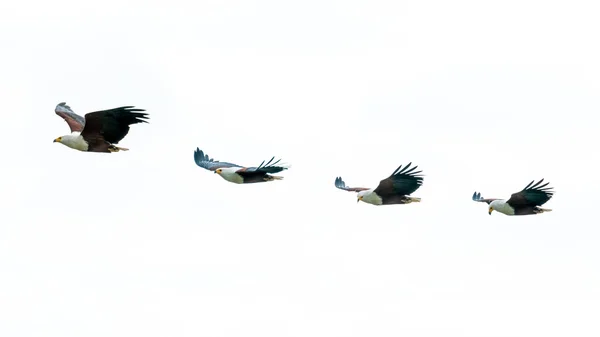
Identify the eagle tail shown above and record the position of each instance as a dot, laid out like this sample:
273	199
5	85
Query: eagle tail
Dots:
542	210
271	178
414	199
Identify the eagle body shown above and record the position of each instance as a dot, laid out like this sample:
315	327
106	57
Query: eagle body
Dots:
75	141
98	131
239	175
525	202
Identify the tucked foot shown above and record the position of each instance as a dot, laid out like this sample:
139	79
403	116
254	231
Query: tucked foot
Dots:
271	178
113	148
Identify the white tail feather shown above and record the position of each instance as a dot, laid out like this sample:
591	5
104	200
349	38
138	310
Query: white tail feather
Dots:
413	199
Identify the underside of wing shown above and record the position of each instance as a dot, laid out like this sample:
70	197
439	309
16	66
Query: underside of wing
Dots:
477	197
403	181
532	195
75	122
204	161
339	183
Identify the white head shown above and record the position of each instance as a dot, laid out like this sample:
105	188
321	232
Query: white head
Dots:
74	141
361	195
496	205
369	196
229	174
62	139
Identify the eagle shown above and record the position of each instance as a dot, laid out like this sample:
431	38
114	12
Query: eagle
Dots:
239	174
99	130
525	202
394	189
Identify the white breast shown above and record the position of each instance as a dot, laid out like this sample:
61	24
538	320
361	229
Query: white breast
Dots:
230	175
502	207
75	141
372	198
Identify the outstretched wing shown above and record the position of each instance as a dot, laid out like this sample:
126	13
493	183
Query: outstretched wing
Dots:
402	182
269	167
111	125
531	195
75	121
339	183
477	197
204	161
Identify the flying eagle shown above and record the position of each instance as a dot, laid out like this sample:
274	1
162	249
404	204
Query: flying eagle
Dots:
394	189
99	130
239	174
525	202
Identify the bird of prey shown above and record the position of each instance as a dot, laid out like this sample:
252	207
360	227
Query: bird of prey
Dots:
99	130
394	189
238	174
525	202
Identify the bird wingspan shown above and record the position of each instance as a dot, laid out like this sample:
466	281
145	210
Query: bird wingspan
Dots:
112	125
204	161
477	197
75	122
532	195
403	181
339	183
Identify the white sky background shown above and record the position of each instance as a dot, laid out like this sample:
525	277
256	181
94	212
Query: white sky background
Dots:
481	95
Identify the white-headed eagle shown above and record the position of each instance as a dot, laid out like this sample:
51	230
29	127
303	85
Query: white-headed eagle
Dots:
394	189
525	202
239	174
99	130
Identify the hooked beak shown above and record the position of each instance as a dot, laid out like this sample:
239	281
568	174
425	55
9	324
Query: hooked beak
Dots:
55	140
490	211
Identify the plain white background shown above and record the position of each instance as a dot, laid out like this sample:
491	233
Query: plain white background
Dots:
481	95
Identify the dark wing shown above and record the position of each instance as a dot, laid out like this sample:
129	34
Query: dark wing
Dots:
112	125
477	197
401	182
339	183
208	163
531	195
269	167
75	121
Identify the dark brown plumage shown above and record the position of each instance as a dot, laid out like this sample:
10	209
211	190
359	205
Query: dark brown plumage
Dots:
106	127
